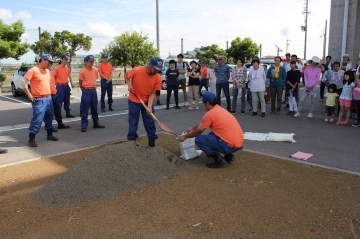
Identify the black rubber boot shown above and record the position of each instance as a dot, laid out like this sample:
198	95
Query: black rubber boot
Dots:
61	125
68	115
219	161
110	108
98	126
32	142
158	102
151	142
229	158
54	129
50	136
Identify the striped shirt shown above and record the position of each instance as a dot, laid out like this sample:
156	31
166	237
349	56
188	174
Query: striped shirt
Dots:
239	75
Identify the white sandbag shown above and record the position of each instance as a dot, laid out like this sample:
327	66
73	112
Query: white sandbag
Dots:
255	136
188	150
281	137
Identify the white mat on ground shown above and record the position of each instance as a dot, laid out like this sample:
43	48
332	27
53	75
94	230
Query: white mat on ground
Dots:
277	137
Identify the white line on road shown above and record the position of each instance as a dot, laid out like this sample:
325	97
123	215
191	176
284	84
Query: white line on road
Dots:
19	101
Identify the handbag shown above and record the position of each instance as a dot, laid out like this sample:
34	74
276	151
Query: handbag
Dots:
356	92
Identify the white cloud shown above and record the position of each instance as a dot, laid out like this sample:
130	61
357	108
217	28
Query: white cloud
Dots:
23	15
100	29
205	14
285	31
7	14
147	26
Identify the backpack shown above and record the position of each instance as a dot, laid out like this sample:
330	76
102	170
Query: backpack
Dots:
182	64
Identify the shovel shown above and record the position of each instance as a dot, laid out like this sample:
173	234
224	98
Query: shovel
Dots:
161	125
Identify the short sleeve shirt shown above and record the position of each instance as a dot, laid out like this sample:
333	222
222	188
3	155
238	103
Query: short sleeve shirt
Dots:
330	98
194	81
105	69
224	125
52	84
88	77
39	80
62	74
143	83
172	76
179	67
346	93
222	74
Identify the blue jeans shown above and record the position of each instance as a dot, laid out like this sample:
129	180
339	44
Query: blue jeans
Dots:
211	143
106	88
57	108
203	83
225	87
134	116
63	96
88	100
42	111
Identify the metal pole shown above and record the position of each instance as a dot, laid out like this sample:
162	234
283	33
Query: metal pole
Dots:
306	16
157	27
324	51
287	45
227	47
182	46
345	26
260	50
40	39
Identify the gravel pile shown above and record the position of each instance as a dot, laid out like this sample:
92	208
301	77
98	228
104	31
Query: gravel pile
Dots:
110	171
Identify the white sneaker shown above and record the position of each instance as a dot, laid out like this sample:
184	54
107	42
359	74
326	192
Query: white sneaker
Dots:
191	107
310	115
196	107
297	115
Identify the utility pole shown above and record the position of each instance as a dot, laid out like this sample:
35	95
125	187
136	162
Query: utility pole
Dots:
260	46
324	35
40	39
227	47
157	27
287	45
182	45
304	28
278	50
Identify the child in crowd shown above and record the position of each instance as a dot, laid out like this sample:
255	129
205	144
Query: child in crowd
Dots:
267	87
325	80
356	96
172	75
331	102
346	97
193	86
292	83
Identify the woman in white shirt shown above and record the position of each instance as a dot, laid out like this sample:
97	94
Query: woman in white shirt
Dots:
212	77
257	79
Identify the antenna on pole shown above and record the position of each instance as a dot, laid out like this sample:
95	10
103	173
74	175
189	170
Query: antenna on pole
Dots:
278	50
287	45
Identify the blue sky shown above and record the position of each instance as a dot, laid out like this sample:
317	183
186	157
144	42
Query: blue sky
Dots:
200	23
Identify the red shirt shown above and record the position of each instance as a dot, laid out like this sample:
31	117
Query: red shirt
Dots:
88	77
62	74
39	81
143	83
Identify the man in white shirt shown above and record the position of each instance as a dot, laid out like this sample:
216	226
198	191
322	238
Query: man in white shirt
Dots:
181	67
298	66
287	62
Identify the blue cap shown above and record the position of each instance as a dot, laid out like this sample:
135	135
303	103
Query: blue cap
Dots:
104	55
64	57
89	58
46	57
157	63
209	97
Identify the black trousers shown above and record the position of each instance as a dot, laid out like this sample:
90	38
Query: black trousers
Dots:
322	88
169	89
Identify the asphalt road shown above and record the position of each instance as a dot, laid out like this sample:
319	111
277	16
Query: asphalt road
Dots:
333	146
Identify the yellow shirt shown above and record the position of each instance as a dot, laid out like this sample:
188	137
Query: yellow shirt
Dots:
277	70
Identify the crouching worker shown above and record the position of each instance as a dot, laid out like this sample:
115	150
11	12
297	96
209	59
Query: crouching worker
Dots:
226	137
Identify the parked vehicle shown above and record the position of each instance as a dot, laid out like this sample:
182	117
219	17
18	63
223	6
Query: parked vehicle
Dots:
16	86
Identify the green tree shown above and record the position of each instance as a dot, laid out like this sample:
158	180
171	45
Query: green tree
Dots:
130	48
49	44
211	53
244	49
10	40
64	42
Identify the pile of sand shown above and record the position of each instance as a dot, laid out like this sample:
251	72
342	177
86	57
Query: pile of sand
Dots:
110	171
